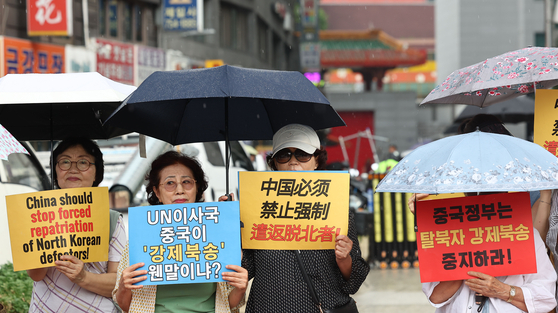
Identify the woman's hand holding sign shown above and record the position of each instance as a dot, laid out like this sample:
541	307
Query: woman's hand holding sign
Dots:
129	277
72	267
343	246
237	279
491	287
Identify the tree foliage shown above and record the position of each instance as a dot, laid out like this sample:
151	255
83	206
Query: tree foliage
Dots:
15	289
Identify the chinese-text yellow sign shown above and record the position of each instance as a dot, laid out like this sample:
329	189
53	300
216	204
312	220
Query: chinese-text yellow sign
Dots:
48	224
546	120
293	210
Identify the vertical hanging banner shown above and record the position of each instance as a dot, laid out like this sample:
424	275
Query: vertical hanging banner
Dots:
115	60
49	18
546	120
491	234
293	210
149	60
48	224
183	15
185	243
23	56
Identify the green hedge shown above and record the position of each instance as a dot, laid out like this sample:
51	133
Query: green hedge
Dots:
15	289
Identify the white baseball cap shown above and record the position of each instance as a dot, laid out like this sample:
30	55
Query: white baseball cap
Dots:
296	136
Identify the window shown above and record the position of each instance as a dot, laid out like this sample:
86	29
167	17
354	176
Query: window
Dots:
239	157
127	22
234	28
113	18
262	41
24	169
102	16
138	23
213	152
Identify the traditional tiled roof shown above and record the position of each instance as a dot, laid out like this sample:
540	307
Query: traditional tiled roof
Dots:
411	23
372	48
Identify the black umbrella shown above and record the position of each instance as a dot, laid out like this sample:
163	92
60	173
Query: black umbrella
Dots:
515	110
223	103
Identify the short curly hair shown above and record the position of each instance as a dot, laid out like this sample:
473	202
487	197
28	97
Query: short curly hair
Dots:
153	177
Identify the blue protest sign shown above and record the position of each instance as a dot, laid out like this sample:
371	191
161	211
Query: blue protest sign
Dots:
185	243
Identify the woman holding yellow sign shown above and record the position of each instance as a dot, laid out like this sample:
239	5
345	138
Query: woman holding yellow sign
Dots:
280	281
177	178
72	285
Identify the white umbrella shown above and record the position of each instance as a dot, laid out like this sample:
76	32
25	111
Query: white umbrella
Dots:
55	106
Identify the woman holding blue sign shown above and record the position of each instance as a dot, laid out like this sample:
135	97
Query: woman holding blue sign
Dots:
298	281
177	178
72	285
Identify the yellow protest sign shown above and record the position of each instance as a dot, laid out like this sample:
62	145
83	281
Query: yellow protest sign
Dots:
48	224
293	210
546	119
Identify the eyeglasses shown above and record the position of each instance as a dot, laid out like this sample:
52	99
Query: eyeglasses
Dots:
283	156
187	184
82	165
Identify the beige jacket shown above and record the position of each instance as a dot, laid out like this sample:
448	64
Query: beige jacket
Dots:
143	300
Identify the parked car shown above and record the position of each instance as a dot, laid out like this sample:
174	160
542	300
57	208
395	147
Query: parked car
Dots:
21	174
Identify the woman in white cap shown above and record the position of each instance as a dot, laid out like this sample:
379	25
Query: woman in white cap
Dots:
279	285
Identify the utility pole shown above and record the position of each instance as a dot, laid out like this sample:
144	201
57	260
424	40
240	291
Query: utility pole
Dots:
548	23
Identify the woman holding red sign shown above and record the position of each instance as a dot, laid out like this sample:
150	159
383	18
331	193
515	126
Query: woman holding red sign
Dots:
297	281
485	293
177	178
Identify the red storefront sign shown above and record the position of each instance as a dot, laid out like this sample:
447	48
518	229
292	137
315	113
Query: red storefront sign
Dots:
491	234
49	17
115	60
24	56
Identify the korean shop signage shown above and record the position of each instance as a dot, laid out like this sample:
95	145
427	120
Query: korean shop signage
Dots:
115	60
49	18
492	234
182	15
48	224
20	56
185	243
293	210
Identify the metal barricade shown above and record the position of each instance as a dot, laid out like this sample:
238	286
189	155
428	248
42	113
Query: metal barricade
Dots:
391	237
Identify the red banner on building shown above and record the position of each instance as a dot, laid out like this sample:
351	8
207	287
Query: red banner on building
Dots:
491	234
24	56
115	60
49	17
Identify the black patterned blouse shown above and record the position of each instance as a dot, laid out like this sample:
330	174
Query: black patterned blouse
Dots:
279	286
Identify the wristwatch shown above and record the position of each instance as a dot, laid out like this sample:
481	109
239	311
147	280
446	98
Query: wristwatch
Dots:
512	293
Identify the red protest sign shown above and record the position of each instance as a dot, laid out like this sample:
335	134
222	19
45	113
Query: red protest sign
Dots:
492	234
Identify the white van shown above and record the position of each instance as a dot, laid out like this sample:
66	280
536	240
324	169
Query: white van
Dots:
22	174
212	158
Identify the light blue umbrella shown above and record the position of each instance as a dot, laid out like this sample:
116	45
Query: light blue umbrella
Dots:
474	162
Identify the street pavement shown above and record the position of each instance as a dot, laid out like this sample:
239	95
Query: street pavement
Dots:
391	291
